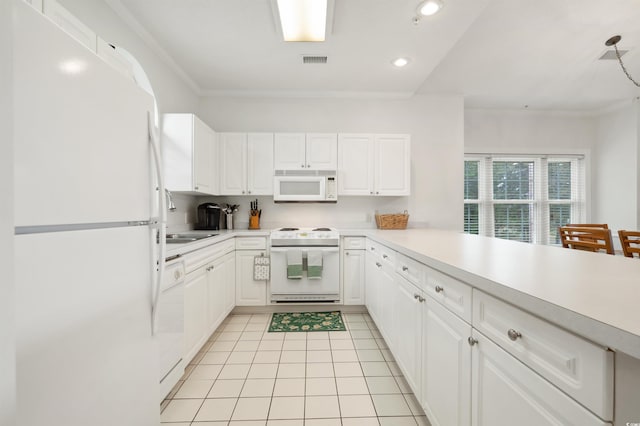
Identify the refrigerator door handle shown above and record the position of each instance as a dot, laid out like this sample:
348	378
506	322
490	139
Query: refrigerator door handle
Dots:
160	224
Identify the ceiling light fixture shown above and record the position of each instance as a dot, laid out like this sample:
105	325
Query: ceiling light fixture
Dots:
303	20
427	8
400	62
613	41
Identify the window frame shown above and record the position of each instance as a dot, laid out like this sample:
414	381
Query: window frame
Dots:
540	232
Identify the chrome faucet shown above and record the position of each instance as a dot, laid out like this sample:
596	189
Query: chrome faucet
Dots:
172	206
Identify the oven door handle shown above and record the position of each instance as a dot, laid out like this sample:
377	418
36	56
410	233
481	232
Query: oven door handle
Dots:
305	249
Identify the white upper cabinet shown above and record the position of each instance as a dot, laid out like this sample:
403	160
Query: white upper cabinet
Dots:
322	151
246	163
233	163
188	153
370	164
393	165
260	163
300	151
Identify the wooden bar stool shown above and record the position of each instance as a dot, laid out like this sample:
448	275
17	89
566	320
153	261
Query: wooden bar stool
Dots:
588	238
630	241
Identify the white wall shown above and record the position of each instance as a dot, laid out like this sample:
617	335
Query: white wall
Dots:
172	93
434	122
616	173
533	132
7	328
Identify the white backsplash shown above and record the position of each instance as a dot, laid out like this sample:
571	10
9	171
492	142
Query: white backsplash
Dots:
347	213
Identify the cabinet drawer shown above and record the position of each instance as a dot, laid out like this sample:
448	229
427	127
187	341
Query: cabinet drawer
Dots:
354	243
199	258
385	254
453	294
578	367
251	243
505	392
410	269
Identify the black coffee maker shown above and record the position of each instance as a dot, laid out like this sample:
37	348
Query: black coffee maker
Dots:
208	216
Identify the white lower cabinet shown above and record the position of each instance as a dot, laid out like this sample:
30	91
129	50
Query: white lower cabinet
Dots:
371	286
407	331
506	392
446	366
353	266
216	287
249	292
195	312
230	283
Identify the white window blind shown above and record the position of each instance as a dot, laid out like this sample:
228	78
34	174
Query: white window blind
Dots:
524	198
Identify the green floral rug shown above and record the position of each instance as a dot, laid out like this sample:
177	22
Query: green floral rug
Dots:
307	321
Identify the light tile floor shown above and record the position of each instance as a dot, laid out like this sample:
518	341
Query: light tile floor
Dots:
245	376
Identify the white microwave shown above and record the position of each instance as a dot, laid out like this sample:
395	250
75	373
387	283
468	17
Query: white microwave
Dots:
305	186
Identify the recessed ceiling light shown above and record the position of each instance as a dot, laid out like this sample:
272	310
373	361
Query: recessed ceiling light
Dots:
400	62
429	7
303	20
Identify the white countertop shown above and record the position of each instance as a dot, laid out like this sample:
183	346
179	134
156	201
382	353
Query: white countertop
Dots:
593	295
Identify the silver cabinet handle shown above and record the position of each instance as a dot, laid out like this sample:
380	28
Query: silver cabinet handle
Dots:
378	265
472	341
248	192
302	166
346	253
371	192
439	289
373	248
196	187
243	192
419	298
384	256
405	269
513	334
416	296
308	166
377	192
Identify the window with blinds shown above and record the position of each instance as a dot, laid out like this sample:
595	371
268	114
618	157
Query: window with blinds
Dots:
524	198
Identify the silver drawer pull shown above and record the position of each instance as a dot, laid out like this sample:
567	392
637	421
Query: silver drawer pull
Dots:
416	296
379	265
513	334
472	341
439	289
405	268
384	256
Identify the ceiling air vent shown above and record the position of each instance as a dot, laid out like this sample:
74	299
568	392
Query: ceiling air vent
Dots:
307	59
611	55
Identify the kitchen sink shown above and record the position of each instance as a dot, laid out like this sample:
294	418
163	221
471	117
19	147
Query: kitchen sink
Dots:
186	238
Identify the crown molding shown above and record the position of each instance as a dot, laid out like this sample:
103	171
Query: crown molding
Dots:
138	28
329	94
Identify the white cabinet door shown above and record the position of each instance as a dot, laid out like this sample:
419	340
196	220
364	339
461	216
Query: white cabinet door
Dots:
446	367
372	287
386	304
506	392
353	277
232	161
355	164
393	165
260	164
216	297
195	312
230	283
322	151
248	291
203	155
289	151
407	331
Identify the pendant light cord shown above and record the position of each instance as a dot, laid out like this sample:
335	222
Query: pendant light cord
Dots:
623	67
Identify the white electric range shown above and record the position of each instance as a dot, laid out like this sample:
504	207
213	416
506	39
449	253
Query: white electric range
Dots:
320	243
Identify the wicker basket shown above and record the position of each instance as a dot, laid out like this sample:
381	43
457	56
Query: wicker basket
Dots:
392	221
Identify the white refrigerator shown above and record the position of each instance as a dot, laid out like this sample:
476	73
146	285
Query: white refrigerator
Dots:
85	235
